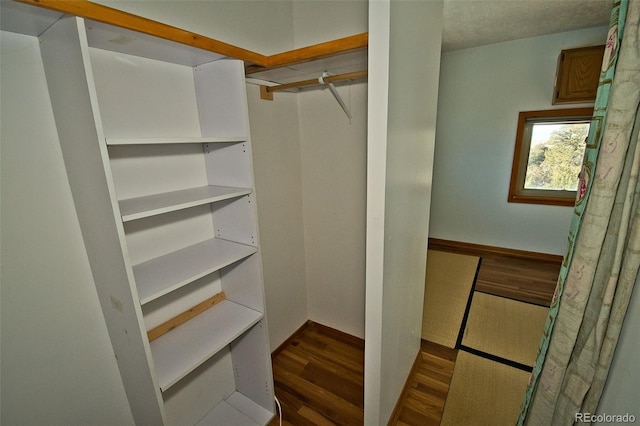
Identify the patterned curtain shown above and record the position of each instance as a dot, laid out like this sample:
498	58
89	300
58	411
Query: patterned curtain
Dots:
602	262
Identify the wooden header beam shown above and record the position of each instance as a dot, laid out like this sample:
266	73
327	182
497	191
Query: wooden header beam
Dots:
108	15
316	51
119	18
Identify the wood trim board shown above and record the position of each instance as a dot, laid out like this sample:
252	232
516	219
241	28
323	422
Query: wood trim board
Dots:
290	339
395	415
119	18
479	250
258	62
313	52
336	334
266	92
174	322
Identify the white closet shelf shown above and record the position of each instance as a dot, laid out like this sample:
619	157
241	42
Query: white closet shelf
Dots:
162	141
237	410
151	205
183	349
164	274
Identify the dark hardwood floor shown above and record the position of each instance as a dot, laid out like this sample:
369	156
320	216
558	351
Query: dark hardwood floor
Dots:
319	378
423	403
526	280
319	372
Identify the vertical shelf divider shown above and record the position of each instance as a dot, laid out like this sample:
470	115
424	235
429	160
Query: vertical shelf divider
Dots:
65	55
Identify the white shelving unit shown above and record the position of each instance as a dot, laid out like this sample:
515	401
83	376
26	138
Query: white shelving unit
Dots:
159	141
159	160
151	205
181	350
161	275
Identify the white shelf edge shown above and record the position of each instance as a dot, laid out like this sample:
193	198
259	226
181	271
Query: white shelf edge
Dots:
152	205
250	408
181	350
164	274
177	140
237	410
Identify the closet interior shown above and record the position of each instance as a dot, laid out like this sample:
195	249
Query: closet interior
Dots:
156	142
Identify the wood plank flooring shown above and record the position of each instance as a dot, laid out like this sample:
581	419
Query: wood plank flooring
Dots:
505	277
319	378
319	373
424	402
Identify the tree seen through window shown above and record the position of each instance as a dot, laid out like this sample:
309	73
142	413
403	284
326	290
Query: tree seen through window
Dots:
555	155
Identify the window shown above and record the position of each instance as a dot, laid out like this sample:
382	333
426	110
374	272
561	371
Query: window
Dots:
548	156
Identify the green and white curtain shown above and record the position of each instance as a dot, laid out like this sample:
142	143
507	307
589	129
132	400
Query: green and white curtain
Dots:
602	262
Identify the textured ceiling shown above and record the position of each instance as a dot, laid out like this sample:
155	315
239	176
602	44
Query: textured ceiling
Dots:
467	23
470	23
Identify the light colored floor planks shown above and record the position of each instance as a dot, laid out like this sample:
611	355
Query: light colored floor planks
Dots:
448	282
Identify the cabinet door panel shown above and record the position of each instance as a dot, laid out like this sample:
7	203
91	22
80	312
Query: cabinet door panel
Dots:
578	75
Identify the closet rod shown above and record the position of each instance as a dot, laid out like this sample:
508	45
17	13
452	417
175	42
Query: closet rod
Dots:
268	90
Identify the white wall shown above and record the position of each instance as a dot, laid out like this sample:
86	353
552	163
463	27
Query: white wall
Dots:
275	138
333	158
317	21
264	27
333	152
482	90
405	42
58	366
310	165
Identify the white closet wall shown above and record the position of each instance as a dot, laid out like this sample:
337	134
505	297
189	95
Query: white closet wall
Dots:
333	156
403	93
58	366
275	135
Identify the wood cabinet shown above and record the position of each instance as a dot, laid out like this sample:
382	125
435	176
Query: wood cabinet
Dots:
577	75
159	160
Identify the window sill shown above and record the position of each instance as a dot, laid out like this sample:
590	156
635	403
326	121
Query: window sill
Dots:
549	201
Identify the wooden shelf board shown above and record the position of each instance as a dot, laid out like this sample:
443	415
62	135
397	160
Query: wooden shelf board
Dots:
185	316
160	141
184	348
159	276
152	205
